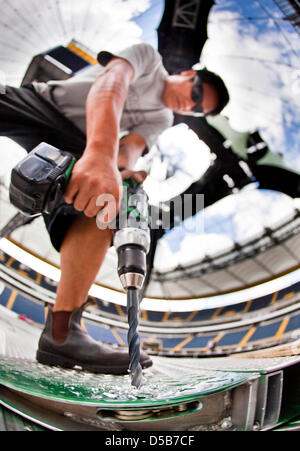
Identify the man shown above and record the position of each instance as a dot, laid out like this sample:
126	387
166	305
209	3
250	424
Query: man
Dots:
128	92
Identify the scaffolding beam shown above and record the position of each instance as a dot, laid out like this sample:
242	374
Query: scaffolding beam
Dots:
186	14
291	11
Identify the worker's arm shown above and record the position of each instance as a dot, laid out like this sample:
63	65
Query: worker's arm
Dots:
96	173
131	149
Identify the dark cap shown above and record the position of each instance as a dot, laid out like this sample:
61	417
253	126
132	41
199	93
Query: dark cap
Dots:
205	76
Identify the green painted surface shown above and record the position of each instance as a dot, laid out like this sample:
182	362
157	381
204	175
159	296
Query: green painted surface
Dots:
106	391
239	143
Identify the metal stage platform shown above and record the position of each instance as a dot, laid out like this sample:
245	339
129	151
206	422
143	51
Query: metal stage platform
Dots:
178	394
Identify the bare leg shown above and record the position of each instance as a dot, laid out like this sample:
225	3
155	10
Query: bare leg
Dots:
63	342
82	254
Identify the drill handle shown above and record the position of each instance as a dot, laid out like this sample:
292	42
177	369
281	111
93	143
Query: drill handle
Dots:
134	210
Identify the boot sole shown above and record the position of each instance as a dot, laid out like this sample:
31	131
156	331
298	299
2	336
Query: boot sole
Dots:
46	358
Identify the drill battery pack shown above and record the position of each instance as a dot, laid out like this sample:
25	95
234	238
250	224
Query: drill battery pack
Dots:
38	181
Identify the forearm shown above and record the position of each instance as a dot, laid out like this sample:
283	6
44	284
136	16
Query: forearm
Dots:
104	108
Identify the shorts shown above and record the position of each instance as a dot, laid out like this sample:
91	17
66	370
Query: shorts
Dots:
28	119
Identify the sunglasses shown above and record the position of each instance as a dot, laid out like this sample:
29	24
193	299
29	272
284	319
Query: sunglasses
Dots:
197	96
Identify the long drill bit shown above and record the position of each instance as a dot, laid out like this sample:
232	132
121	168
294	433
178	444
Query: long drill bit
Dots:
135	368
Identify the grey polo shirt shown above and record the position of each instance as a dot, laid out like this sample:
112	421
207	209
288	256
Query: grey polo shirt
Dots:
144	112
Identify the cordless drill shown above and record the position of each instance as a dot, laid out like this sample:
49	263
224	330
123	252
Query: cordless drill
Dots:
38	183
132	243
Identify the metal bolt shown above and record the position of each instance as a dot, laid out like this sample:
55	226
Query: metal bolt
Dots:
226	423
256	426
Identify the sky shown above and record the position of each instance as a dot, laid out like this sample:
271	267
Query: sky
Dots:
258	56
249	45
260	61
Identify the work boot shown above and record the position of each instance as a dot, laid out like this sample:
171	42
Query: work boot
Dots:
81	350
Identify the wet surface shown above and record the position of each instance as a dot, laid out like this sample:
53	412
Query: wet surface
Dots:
169	381
73	386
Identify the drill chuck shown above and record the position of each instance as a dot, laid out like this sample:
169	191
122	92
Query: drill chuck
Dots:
132	236
132	246
131	266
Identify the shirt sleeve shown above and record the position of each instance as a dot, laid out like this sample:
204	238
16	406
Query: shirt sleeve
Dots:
142	57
